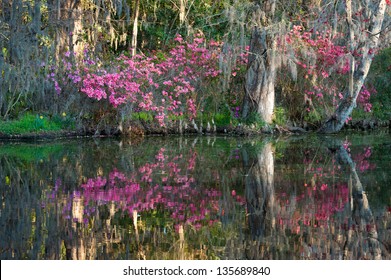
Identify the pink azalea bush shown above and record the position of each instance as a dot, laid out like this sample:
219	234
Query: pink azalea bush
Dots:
323	68
70	73
175	84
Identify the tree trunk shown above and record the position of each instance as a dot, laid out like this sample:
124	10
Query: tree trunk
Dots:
261	70
182	12
135	27
358	76
65	19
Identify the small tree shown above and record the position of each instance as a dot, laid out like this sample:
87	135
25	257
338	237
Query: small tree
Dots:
361	58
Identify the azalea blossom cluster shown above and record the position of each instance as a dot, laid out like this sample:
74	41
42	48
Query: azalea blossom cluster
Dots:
71	71
324	67
170	85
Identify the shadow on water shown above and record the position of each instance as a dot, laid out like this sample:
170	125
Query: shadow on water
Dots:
197	198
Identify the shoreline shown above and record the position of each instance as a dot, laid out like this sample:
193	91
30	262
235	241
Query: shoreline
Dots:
140	130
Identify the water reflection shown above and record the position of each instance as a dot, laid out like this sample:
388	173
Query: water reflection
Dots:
197	198
361	223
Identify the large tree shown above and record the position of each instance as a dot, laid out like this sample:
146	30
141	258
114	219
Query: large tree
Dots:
363	27
261	73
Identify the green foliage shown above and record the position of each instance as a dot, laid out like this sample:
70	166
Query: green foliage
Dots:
144	116
172	117
280	116
313	117
63	121
359	113
31	152
30	123
380	78
255	119
222	119
380	108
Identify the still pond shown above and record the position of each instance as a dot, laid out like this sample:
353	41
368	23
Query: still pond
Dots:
209	197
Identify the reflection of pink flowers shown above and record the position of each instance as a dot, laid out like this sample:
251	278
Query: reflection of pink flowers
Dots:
346	144
176	194
362	162
321	198
317	207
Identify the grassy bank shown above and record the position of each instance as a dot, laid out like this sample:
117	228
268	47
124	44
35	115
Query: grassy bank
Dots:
36	124
33	126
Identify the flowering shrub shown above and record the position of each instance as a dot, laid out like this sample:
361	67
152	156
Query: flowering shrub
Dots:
176	83
71	71
324	67
172	85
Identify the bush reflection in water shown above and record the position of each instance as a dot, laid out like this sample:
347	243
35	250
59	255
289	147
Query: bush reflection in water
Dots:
196	198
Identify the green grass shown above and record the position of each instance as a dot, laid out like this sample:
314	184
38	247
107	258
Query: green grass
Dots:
30	123
255	119
222	119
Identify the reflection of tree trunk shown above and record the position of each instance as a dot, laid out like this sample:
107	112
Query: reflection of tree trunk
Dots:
361	212
260	191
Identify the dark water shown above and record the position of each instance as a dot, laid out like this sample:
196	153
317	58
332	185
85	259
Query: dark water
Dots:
197	198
